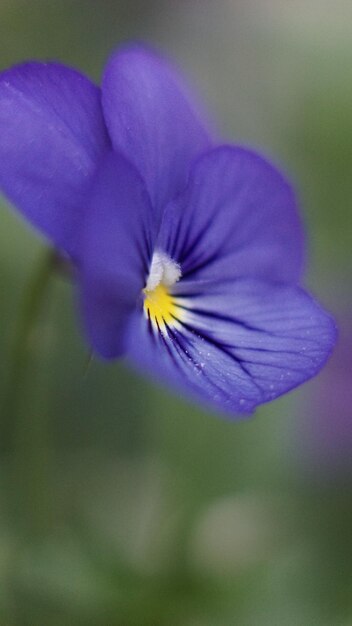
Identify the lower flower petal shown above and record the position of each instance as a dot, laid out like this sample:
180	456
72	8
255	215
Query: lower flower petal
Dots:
235	345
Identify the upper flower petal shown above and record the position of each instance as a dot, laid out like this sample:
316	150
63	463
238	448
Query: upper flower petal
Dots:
151	120
117	241
234	345
52	135
237	217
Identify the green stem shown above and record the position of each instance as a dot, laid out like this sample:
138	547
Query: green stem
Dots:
28	428
22	347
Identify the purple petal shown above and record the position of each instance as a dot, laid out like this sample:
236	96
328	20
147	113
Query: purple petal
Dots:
114	256
235	345
237	218
52	135
151	121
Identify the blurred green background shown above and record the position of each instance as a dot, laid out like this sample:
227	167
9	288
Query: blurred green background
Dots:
121	505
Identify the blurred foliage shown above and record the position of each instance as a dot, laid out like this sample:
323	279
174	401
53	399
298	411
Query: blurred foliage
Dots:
121	504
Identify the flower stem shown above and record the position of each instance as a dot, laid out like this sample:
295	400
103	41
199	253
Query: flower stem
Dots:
27	429
22	348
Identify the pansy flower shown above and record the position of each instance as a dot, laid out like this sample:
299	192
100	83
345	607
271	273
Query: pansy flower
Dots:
188	253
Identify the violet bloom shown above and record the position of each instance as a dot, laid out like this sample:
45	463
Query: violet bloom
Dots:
188	254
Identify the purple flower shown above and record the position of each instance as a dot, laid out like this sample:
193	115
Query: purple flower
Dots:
188	254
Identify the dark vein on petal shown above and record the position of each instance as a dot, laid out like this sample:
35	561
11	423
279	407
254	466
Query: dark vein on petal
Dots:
190	247
240	362
246	325
273	365
175	239
222	318
174	337
201	264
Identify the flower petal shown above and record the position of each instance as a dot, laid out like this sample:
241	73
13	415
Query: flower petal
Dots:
52	135
150	119
235	345
115	251
237	218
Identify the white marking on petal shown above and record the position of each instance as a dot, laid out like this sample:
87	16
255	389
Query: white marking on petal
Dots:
163	270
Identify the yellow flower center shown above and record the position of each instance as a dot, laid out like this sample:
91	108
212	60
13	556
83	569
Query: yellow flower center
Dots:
160	306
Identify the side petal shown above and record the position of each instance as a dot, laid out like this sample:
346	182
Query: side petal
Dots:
151	120
237	218
115	250
52	136
235	345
